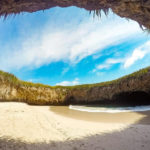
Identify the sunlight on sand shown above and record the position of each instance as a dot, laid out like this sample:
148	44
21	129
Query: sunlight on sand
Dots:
39	124
125	118
43	127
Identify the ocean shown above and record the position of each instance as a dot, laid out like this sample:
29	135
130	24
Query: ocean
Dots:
106	109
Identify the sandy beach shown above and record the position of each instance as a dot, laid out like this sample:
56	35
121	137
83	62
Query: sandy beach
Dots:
25	127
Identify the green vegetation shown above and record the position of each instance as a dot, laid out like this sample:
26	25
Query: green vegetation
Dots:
117	81
13	89
13	80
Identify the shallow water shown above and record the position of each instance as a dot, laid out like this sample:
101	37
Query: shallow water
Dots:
103	109
128	117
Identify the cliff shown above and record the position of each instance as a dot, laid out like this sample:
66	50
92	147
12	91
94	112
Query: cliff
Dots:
131	89
138	10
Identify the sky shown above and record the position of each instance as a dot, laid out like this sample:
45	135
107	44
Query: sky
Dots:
68	46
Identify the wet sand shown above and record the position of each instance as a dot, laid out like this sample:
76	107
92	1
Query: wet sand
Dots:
25	127
123	117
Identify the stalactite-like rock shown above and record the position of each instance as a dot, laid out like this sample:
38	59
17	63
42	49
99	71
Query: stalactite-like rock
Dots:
138	10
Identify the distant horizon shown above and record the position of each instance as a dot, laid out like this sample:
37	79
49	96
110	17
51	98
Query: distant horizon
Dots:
67	46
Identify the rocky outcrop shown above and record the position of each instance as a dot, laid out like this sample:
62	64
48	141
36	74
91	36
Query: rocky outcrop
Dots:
32	95
131	89
126	91
138	10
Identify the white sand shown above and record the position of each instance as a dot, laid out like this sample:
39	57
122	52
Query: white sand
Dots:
27	127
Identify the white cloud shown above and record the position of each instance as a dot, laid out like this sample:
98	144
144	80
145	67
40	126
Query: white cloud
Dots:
103	66
137	54
70	44
96	56
69	83
65	70
107	64
114	61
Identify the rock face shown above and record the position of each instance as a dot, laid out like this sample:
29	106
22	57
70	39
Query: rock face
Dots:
132	89
31	95
138	10
128	91
125	90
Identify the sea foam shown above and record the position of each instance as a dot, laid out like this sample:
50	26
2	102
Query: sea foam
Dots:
110	110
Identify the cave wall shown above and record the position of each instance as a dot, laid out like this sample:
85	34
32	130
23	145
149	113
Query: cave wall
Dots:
132	98
130	90
138	10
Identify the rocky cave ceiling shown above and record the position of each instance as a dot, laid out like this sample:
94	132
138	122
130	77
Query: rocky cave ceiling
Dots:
138	10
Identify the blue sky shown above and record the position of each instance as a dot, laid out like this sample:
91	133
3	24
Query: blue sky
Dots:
67	46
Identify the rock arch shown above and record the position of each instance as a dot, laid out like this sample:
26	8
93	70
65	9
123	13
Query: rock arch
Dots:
138	10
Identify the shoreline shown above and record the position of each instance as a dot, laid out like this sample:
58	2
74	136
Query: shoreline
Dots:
132	89
107	109
121	117
27	127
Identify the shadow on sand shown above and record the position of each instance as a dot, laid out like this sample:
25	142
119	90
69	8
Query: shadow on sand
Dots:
131	138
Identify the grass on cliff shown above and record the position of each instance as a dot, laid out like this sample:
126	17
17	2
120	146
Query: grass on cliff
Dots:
13	80
9	78
136	74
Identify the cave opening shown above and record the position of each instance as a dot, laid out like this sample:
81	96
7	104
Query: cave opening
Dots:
136	98
125	99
